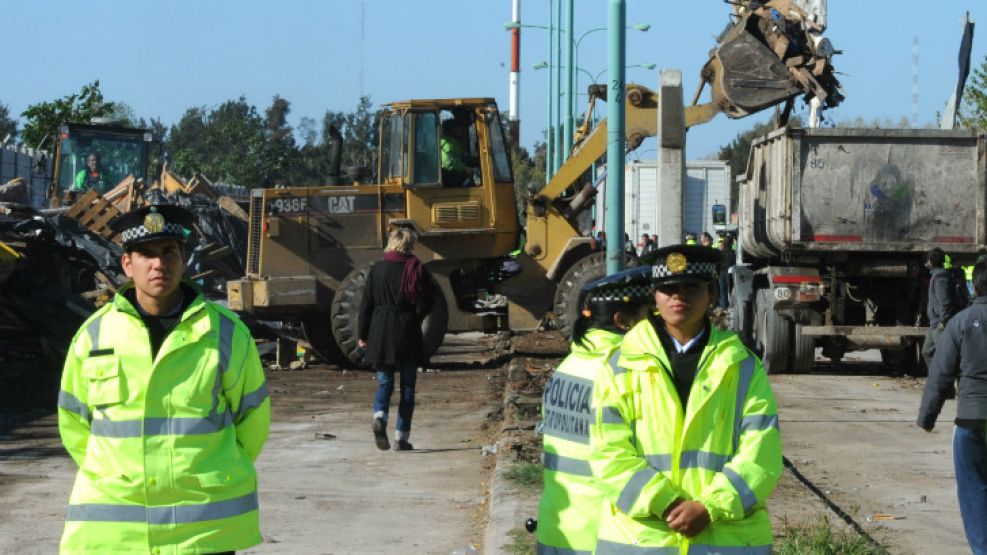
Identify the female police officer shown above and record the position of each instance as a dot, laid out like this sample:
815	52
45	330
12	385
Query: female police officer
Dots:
685	438
570	503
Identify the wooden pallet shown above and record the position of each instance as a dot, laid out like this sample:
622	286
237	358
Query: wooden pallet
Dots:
94	212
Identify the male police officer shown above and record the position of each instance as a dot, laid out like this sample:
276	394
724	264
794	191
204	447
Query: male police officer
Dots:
164	408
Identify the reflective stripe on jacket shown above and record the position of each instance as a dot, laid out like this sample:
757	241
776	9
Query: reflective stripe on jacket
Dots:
165	448
569	510
724	450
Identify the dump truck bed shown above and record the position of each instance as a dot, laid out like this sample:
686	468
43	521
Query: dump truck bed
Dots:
864	190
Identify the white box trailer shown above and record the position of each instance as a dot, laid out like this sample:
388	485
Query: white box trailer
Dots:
707	184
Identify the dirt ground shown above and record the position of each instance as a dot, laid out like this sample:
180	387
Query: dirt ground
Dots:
324	486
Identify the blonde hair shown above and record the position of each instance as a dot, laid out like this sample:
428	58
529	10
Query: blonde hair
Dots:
402	240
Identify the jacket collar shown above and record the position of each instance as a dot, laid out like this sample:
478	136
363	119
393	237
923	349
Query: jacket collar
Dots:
599	344
642	349
122	304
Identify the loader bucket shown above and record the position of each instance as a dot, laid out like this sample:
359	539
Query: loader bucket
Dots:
769	54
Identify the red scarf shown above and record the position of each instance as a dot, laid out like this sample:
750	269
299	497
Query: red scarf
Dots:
412	277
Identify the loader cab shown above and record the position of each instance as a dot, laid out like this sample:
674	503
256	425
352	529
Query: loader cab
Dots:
450	159
96	157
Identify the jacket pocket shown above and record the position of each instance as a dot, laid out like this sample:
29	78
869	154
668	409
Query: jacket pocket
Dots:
104	383
234	476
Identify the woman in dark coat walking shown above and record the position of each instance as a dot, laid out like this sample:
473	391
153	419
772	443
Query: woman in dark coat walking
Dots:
397	297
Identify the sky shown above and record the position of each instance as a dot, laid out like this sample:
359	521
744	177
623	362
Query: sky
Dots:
164	57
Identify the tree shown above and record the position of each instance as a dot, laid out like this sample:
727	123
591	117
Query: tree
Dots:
360	135
736	151
226	144
8	125
973	110
280	152
44	119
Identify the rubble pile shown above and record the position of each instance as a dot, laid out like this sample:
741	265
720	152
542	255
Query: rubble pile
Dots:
53	273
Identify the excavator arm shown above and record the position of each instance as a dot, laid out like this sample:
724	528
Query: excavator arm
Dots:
771	53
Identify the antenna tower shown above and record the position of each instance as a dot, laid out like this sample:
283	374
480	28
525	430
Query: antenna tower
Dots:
915	82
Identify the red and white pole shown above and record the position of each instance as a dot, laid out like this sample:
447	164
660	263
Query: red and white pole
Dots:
515	81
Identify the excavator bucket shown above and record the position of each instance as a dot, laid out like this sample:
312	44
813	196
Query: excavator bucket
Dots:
772	52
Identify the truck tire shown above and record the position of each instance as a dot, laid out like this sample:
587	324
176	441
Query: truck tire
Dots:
803	351
566	305
774	335
346	315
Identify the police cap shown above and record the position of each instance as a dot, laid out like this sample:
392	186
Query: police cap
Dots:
151	223
685	264
631	285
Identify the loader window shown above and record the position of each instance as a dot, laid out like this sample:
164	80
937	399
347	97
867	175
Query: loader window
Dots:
392	137
501	159
90	160
426	148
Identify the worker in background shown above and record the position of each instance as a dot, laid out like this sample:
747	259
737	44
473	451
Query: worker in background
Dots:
940	307
569	510
690	238
397	297
959	357
455	171
705	239
727	260
686	447
93	176
164	408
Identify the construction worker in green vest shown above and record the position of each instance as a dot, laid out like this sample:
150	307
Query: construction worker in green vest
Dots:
685	439
569	510
690	238
164	408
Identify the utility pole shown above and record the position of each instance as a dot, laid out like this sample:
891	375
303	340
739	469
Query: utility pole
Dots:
570	72
616	135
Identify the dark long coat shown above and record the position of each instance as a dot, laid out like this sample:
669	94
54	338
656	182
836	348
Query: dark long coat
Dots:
392	327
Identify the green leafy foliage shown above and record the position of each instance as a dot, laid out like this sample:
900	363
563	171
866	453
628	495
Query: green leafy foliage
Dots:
525	474
973	109
8	125
44	118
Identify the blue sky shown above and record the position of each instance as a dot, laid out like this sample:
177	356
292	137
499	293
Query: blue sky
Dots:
163	57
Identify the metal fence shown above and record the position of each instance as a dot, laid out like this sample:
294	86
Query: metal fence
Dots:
32	165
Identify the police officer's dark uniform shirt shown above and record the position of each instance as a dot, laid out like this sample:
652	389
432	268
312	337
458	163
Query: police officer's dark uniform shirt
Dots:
158	327
684	365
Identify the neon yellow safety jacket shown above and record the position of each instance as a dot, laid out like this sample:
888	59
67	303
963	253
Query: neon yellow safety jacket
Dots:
569	510
165	447
723	450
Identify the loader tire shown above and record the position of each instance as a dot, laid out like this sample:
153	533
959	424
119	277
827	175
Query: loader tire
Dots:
774	336
346	318
318	334
566	305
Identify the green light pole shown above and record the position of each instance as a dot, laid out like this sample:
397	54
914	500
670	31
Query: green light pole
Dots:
616	138
572	80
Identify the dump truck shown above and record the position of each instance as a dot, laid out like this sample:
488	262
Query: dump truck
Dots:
834	227
309	248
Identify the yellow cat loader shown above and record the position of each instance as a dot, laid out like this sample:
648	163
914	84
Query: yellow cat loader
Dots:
309	248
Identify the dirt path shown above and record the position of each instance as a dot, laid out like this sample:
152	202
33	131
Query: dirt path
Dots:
318	494
854	436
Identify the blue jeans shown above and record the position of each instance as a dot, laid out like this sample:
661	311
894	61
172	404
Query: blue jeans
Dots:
385	387
970	462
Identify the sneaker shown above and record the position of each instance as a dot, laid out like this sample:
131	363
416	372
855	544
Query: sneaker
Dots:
403	445
380	434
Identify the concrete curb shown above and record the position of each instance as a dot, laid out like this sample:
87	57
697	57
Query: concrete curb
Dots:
505	508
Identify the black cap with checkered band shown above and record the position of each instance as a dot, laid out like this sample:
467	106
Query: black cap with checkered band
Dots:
685	264
151	223
631	285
